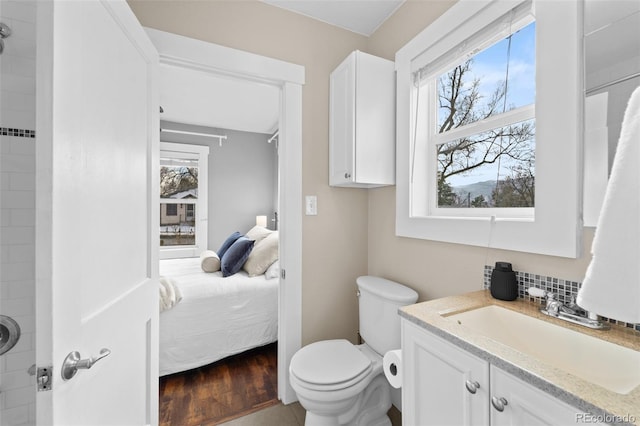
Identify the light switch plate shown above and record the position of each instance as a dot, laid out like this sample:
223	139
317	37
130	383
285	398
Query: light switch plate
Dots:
311	205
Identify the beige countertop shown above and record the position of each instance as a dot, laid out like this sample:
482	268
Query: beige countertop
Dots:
591	398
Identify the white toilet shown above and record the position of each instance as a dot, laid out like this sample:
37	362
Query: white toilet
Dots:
339	383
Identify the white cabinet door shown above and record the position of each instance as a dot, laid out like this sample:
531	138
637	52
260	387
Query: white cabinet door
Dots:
436	378
342	122
523	404
362	122
97	213
375	121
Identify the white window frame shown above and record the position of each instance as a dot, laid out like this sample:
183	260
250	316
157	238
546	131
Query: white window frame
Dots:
556	227
201	153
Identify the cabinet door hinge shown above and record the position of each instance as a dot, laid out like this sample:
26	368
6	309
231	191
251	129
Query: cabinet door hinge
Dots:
43	378
283	274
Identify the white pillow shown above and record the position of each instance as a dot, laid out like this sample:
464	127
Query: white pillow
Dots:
273	271
264	253
209	261
258	233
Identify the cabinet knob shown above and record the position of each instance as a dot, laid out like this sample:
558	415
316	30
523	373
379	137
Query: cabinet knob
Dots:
347	175
472	386
498	403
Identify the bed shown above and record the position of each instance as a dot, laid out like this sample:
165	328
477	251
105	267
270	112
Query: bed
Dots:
216	316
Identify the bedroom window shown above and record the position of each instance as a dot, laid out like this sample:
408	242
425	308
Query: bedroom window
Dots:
183	199
489	100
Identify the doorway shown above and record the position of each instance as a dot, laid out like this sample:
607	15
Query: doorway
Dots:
191	54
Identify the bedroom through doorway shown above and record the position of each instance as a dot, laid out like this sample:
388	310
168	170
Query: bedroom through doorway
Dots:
217	338
197	113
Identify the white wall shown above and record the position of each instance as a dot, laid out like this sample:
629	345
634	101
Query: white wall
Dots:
17	208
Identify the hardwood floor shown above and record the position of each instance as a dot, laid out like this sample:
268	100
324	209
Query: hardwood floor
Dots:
224	390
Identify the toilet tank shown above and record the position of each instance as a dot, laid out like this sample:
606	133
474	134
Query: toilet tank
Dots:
378	302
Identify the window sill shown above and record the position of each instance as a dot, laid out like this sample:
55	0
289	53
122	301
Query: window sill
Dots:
178	253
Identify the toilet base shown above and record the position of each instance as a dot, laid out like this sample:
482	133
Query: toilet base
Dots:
369	409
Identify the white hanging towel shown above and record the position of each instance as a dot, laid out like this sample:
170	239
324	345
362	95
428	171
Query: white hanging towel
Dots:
611	286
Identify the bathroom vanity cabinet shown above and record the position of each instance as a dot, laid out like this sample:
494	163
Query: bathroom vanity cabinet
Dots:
362	122
444	384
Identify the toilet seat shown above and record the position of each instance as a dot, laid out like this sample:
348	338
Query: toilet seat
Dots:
330	365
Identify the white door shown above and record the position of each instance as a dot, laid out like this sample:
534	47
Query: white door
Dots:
442	383
97	212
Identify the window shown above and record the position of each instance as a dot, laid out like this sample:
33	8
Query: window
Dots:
489	106
170	210
475	114
483	137
183	199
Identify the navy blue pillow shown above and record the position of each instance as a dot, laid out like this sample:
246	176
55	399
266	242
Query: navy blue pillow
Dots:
227	243
235	256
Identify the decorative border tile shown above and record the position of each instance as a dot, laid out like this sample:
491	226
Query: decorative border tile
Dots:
21	133
566	290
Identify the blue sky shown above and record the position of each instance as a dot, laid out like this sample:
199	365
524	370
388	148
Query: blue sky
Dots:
490	66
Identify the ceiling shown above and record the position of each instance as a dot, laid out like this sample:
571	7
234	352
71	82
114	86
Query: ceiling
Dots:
360	16
200	98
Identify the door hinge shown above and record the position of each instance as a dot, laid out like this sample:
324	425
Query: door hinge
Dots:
283	274
43	378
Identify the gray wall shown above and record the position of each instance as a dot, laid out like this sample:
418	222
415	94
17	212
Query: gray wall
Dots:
242	178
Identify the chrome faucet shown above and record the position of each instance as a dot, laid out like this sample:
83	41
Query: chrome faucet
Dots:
553	306
570	312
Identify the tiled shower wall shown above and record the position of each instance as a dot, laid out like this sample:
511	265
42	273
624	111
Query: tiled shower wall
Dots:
564	289
17	208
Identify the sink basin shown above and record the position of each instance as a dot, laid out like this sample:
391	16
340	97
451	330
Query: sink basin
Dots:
611	366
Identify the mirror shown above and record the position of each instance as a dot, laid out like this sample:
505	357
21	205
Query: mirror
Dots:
612	72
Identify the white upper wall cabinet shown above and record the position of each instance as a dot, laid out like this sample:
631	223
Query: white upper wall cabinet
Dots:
362	122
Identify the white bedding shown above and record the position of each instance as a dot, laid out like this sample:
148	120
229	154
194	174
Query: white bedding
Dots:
216	317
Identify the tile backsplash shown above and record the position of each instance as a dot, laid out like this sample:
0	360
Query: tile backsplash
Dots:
21	133
564	289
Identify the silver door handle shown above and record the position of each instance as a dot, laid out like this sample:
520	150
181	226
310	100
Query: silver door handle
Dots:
72	363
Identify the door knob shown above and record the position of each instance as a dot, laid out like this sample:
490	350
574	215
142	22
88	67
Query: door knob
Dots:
72	363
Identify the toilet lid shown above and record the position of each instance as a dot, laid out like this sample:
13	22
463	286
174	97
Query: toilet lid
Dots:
329	362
